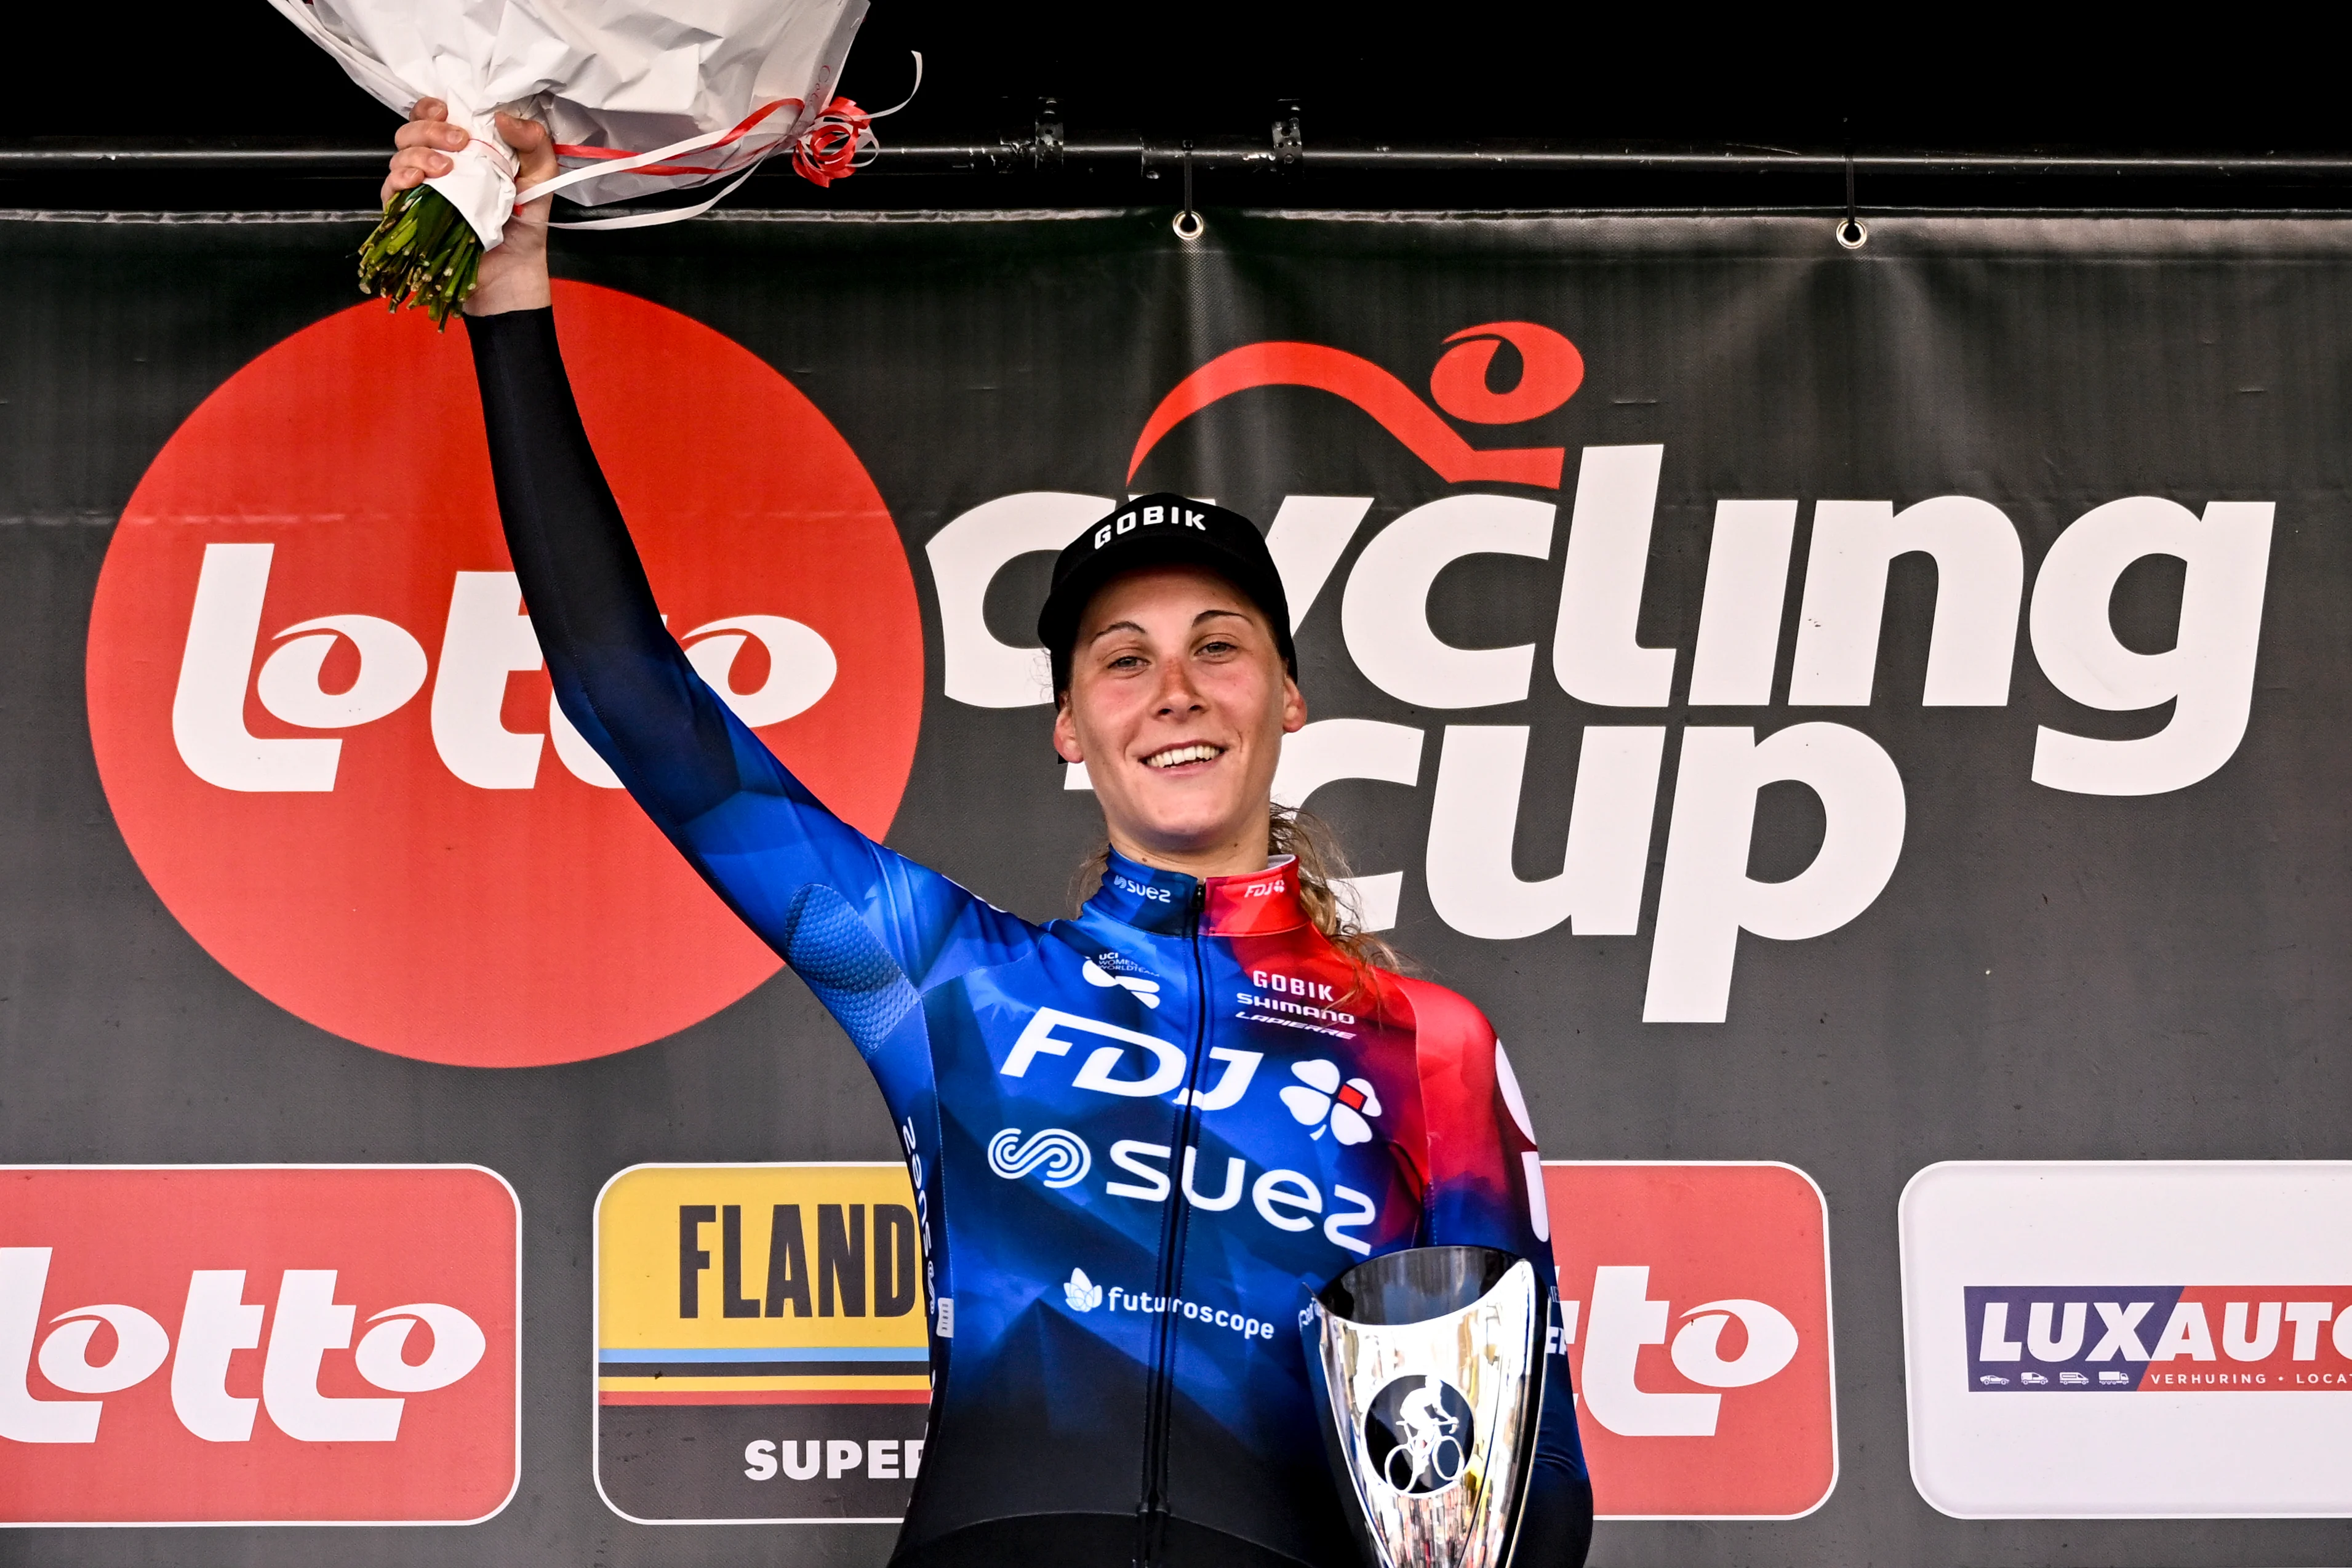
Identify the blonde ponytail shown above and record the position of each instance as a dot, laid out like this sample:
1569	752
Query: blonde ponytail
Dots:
1321	865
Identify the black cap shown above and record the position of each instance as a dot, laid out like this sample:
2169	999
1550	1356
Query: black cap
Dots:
1161	529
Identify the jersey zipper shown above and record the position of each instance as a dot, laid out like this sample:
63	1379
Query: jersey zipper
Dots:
1152	1508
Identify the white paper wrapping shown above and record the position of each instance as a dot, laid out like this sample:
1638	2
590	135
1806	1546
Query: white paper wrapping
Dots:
602	74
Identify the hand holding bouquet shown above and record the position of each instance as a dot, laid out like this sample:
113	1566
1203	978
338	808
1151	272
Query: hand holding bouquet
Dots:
629	101
509	276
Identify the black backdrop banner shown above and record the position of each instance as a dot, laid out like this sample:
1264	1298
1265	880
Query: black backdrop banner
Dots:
1842	715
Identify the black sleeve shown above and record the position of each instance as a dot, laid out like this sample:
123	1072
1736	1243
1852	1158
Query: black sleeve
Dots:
1556	1531
848	913
623	681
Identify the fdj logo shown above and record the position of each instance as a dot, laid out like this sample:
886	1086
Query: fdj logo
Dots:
319	707
1418	1434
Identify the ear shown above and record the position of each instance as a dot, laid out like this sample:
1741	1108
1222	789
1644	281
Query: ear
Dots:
1066	731
1293	707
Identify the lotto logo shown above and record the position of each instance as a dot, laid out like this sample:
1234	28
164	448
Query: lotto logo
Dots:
321	714
257	1344
1695	1310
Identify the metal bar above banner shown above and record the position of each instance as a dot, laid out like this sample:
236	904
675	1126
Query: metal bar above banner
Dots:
1054	150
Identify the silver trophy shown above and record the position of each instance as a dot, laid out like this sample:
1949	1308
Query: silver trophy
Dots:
1429	1364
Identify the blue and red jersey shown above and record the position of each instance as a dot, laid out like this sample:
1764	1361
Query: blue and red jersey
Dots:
1141	1141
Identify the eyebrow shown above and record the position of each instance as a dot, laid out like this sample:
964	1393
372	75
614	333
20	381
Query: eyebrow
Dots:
1132	626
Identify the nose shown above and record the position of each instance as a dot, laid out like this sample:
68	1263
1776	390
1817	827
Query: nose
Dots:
1176	695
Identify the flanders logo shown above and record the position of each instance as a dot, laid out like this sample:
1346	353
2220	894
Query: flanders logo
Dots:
757	1327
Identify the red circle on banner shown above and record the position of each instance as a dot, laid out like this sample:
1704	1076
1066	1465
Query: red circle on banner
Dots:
288	751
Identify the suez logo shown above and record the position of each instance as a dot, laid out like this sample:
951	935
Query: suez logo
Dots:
320	712
1695	1311
257	1344
1143	890
2120	1339
1706	898
2024	1278
1695	1307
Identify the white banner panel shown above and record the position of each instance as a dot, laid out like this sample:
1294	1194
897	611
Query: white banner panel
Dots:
2130	1339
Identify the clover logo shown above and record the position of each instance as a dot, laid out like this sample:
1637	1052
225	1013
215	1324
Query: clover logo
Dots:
1082	1293
1340	1108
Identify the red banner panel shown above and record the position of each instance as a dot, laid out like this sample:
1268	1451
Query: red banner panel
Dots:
1696	1300
257	1344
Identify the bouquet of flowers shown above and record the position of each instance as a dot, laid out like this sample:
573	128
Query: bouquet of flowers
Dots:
641	100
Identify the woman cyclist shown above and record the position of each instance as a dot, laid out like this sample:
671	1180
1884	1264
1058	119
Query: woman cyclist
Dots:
1142	1140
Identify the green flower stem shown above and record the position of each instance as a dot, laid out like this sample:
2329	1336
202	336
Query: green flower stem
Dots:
423	254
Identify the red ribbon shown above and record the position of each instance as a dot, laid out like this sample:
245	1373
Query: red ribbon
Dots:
827	150
571	150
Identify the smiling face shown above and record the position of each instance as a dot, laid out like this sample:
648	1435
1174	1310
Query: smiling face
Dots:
1178	703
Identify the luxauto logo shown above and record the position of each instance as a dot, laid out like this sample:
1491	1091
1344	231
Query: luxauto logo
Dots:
319	707
2121	1338
1706	898
339	1345
2073	1244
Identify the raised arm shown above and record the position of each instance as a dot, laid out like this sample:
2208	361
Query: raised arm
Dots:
621	677
866	928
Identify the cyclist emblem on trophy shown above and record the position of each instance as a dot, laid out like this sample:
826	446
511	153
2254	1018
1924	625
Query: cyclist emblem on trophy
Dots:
1418	1432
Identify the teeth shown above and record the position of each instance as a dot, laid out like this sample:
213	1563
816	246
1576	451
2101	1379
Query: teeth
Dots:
1176	755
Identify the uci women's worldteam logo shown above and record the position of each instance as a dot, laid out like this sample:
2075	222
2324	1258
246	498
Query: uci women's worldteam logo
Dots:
322	721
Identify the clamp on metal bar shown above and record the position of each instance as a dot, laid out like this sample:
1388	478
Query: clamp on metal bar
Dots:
1289	140
1189	224
1046	148
1851	234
